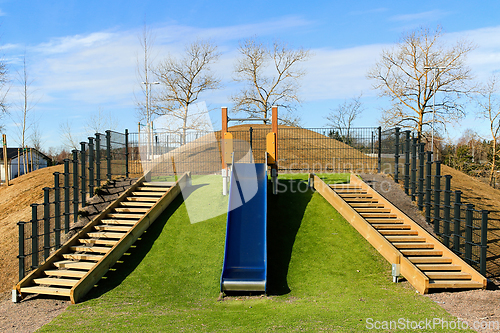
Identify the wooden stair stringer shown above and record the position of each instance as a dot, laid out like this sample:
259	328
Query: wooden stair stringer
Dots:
429	238
412	274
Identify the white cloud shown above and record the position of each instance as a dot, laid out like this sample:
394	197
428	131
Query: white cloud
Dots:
432	15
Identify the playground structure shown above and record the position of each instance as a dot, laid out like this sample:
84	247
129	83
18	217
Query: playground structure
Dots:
415	254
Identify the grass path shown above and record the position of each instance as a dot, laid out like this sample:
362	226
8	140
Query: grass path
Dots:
323	276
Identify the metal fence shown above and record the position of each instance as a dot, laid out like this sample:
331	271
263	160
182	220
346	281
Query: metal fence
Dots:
299	150
459	226
102	158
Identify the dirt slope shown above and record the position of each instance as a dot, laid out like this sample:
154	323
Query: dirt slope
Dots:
15	203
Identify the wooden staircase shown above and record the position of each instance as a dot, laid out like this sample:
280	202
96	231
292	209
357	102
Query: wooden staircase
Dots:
424	261
81	262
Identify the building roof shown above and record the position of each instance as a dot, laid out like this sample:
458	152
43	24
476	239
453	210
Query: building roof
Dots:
12	153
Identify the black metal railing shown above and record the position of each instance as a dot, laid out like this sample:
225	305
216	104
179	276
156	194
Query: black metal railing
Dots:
97	160
459	226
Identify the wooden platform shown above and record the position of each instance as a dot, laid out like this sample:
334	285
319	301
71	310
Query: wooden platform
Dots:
82	261
424	261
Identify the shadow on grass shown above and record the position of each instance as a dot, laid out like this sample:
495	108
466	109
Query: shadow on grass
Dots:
284	216
135	254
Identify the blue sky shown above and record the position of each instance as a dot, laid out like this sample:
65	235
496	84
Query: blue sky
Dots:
82	55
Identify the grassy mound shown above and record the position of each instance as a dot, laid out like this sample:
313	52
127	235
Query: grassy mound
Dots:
323	276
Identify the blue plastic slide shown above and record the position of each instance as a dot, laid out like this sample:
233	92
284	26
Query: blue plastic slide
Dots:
245	254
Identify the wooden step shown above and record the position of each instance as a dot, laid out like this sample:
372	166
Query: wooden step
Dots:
74	264
131	210
444	284
411	245
147	194
125	216
405	239
101	234
116	221
448	275
102	227
392	226
438	267
348	190
56	282
393	220
355	195
422	252
142	199
46	291
82	256
92	249
345	186
136	204
360	200
399	232
154	189
96	241
65	273
430	260
160	184
378	215
372	210
366	204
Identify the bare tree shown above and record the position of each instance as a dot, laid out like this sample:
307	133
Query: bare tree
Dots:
36	140
489	109
181	83
342	117
100	121
271	77
68	137
4	89
145	74
419	71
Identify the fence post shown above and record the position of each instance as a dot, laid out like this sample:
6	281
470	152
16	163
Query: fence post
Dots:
250	131
446	211
437	198
83	174
413	180
468	232
126	152
46	223
428	187
379	166
407	163
98	159
91	166
108	154
75	185
396	157
457	233
421	176
66	196
34	236
21	250
57	211
484	241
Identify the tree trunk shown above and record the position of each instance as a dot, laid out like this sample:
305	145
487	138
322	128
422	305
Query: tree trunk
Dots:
493	164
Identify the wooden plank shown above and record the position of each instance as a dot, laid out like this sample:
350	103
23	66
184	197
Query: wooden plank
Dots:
154	189
445	284
430	260
94	241
137	204
74	264
437	267
117	221
65	248
46	291
393	220
448	275
371	210
147	194
91	249
476	276
65	273
366	204
142	199
56	282
131	210
378	215
82	256
110	258
413	245
113	228
422	252
398	232
393	239
104	234
393	226
124	216
355	195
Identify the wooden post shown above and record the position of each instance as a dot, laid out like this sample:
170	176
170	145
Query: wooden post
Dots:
5	164
31	153
18	162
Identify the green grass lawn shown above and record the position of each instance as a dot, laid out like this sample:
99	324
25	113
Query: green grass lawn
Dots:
323	276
